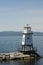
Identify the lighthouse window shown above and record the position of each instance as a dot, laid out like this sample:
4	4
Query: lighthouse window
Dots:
27	37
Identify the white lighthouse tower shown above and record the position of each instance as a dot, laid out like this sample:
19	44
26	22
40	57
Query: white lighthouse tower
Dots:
27	43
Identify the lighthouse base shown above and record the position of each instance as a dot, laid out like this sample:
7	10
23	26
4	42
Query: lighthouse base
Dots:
27	52
31	53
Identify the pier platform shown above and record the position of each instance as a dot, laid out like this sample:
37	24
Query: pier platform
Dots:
15	56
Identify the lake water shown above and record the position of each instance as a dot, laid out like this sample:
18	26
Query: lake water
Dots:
13	43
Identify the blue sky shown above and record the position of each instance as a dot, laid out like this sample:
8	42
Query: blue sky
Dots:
15	14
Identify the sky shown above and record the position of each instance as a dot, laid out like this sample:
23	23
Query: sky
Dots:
15	14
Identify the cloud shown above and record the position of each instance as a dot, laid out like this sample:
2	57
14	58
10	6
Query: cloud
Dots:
17	19
10	28
37	28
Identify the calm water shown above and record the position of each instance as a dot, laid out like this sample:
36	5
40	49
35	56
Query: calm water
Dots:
13	43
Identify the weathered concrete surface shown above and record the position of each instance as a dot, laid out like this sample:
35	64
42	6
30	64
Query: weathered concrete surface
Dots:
15	56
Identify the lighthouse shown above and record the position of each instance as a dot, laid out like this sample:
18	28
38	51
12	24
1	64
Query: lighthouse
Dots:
27	43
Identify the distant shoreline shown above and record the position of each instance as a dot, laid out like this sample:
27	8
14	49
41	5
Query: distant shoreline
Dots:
13	33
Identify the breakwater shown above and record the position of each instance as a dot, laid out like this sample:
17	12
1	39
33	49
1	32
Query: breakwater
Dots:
15	56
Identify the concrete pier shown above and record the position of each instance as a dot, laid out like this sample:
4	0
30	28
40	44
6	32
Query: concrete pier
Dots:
15	56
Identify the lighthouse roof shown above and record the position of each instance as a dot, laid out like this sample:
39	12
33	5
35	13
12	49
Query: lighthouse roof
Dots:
27	26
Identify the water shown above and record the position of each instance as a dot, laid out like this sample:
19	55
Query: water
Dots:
13	43
9	43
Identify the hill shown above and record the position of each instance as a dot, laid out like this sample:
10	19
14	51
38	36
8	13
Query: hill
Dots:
13	33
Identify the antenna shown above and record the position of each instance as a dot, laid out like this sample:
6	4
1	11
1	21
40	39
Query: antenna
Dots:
27	25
